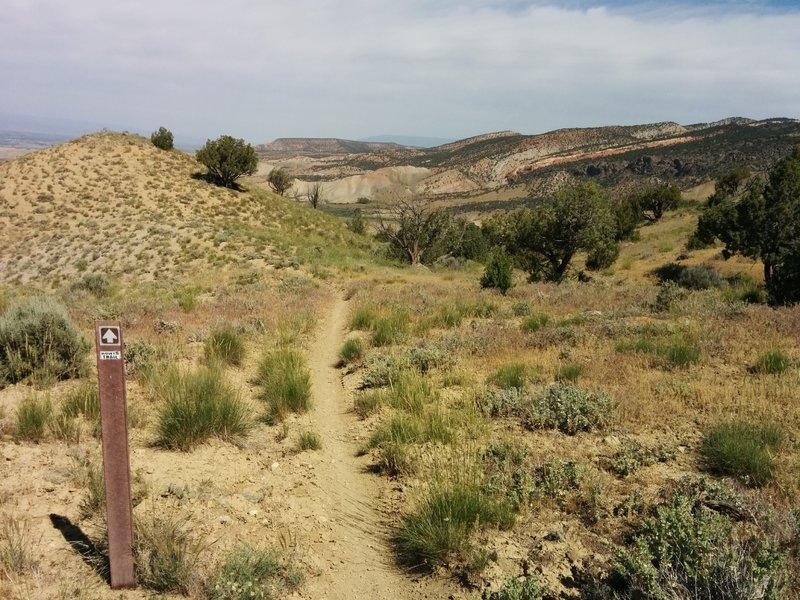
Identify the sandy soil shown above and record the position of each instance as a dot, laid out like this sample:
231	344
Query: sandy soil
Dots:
344	499
325	507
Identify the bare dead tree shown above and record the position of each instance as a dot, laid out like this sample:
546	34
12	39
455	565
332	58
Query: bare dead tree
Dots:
314	194
415	229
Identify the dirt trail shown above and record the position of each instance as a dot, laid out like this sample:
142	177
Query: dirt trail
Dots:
353	552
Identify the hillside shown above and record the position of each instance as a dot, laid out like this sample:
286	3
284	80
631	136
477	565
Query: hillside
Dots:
113	203
698	156
517	166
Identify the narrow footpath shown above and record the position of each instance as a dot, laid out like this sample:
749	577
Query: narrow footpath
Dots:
353	551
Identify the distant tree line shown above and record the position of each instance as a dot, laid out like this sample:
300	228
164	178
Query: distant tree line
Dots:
543	240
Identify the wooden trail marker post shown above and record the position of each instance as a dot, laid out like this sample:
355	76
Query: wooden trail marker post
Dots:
116	464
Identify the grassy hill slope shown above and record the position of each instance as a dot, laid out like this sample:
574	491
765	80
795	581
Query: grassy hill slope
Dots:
113	203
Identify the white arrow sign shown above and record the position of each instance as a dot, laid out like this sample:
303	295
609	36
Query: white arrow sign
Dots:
109	336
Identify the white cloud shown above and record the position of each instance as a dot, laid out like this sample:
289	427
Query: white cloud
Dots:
360	67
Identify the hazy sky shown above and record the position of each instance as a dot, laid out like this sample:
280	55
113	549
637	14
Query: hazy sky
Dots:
261	69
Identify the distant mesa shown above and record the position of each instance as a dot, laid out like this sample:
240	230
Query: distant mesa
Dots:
412	141
313	146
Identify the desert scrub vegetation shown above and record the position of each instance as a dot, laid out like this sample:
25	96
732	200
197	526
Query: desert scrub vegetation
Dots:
141	358
253	573
743	450
634	454
511	474
688	548
285	382
39	341
197	405
570	410
225	345
428	356
600	487
697	277
523	588
560	406
96	284
382	368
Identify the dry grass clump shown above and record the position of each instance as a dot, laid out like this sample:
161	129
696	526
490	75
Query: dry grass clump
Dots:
677	352
363	318
167	556
80	403
197	405
286	382
390	329
352	350
308	440
16	548
33	415
368	402
441	525
512	375
37	415
84	401
744	450
772	362
225	345
535	322
569	372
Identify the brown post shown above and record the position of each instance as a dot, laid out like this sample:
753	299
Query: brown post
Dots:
116	465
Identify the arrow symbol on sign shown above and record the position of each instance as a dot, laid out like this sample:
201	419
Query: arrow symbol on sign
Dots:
109	337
